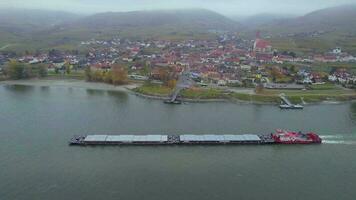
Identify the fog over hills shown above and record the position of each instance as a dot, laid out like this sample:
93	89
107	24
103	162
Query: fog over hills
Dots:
317	31
200	17
18	24
24	20
52	28
338	19
55	28
225	7
255	21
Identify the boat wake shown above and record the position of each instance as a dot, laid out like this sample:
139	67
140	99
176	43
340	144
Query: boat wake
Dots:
331	136
339	142
338	139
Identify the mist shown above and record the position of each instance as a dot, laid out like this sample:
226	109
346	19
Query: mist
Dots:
226	7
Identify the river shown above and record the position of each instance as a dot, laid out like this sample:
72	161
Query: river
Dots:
37	163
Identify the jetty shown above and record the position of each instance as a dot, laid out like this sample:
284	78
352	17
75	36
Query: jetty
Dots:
184	81
286	104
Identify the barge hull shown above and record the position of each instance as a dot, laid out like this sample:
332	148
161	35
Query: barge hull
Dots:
281	137
171	140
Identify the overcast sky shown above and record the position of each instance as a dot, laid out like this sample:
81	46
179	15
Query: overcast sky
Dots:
227	7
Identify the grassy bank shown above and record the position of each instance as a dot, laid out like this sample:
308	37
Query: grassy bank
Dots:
318	94
313	96
73	75
198	93
194	93
154	90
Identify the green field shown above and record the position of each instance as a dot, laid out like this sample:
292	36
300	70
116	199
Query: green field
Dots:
318	44
196	93
316	94
154	89
204	94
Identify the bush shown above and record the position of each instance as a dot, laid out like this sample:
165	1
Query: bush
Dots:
172	83
97	76
42	70
108	77
88	74
15	70
119	75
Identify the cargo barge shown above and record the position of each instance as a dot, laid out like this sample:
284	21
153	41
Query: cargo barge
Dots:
280	137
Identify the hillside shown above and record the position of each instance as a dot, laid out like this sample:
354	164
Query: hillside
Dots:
255	21
164	24
199	18
169	24
341	18
25	21
16	25
317	31
31	19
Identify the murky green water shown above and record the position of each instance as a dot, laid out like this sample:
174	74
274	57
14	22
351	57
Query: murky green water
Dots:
37	163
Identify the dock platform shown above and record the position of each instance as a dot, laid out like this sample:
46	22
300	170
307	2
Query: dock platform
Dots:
170	139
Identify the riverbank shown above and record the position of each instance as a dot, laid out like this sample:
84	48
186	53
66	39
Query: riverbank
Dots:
70	83
156	91
334	94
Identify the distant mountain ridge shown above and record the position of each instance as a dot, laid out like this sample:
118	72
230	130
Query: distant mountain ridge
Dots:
49	29
24	20
57	28
262	19
198	18
318	31
340	19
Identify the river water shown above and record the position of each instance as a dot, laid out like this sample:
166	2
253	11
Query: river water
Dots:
37	163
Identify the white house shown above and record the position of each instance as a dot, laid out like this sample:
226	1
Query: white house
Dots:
337	50
332	78
307	80
221	82
246	67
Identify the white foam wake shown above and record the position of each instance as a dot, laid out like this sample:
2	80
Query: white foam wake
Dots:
339	142
339	139
331	136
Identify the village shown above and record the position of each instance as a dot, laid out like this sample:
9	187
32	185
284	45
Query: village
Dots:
228	61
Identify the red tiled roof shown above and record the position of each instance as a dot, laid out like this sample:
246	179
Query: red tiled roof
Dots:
262	44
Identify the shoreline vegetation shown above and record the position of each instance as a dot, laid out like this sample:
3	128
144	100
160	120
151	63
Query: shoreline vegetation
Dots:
317	95
70	83
320	94
118	78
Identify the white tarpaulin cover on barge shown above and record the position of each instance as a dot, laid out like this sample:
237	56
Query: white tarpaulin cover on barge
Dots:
126	138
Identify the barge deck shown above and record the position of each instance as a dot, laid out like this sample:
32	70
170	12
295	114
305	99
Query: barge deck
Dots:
171	139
